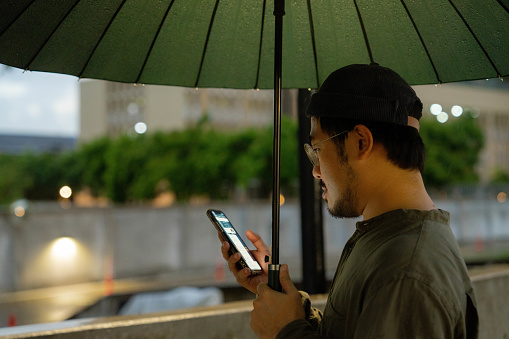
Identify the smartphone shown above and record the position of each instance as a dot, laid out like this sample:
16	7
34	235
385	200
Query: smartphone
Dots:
225	228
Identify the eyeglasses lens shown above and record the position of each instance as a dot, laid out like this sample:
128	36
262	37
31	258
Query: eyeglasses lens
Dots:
311	154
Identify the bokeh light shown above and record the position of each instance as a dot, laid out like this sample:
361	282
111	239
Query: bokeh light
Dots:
442	117
475	112
19	211
140	127
65	192
502	197
435	109
457	110
64	247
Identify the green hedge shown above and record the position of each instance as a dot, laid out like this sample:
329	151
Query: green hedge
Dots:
204	161
196	161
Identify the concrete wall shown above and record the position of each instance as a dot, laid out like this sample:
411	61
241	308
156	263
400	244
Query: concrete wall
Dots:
138	241
231	320
492	289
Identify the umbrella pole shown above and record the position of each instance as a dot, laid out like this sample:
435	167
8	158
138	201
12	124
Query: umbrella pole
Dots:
279	12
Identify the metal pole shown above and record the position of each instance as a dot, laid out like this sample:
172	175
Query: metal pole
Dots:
279	12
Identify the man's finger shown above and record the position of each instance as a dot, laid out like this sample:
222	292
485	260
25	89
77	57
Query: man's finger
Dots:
243	275
261	288
286	282
257	241
224	249
232	261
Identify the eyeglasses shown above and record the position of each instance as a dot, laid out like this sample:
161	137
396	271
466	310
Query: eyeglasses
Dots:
312	153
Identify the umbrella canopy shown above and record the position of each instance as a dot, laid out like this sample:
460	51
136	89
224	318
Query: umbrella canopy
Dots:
230	43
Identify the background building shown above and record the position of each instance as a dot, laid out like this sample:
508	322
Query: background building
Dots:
110	108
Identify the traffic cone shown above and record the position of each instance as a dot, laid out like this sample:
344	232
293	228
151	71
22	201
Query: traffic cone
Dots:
219	270
11	321
479	244
108	277
108	286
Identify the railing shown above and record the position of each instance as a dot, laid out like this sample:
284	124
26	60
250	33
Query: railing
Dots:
231	320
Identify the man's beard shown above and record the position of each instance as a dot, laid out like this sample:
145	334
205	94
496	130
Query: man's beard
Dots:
345	207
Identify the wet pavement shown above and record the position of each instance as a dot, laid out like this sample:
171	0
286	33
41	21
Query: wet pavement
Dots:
60	303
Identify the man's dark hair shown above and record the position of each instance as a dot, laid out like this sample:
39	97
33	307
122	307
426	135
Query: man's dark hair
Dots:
403	144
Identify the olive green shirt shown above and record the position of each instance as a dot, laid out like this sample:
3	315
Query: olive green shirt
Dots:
401	275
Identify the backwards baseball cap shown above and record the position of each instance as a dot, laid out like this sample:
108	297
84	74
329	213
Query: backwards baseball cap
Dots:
367	92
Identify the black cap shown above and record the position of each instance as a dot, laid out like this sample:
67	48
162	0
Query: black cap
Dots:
366	92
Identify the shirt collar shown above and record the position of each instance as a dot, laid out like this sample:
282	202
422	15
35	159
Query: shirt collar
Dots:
392	217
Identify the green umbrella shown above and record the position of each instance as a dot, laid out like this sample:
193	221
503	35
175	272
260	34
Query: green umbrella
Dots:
232	44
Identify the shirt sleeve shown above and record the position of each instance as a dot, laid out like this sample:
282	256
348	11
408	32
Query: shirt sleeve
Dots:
303	328
407	308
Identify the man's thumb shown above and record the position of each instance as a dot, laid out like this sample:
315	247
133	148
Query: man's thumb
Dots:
286	282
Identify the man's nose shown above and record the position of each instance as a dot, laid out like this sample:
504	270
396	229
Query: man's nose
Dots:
316	172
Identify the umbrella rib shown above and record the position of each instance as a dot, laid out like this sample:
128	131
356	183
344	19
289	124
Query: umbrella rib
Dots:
312	31
53	32
16	19
101	38
503	5
475	37
206	43
260	46
364	31
154	41
422	41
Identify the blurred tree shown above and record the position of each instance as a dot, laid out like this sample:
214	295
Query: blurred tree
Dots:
14	180
90	164
254	164
452	151
499	176
46	175
125	159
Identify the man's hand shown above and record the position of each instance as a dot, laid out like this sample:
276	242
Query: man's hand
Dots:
244	277
273	310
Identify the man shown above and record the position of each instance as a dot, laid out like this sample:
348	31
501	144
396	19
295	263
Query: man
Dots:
401	274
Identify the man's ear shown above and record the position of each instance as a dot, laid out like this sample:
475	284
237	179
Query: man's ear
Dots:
365	141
